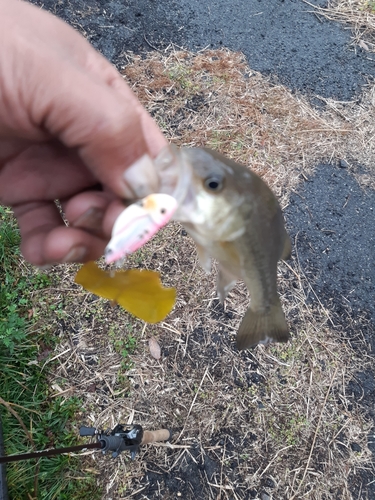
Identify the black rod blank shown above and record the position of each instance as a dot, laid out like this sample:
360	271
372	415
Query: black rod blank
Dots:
48	453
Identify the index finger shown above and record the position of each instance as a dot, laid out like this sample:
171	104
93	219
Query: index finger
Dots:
103	121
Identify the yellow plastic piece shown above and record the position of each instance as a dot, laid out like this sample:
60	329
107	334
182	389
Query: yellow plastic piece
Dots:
139	292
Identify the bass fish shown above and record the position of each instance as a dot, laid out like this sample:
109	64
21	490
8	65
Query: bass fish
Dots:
234	217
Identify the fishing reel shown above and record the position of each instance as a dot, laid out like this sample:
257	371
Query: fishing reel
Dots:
121	439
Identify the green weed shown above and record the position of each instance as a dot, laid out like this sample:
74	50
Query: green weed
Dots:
287	430
123	345
182	76
370	5
32	418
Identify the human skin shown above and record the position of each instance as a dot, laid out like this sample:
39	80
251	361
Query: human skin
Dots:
69	129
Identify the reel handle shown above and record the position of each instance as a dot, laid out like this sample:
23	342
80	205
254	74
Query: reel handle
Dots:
155	436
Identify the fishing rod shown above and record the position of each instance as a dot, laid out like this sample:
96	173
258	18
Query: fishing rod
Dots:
116	440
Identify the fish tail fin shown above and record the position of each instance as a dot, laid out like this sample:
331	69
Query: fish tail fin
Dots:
262	327
287	250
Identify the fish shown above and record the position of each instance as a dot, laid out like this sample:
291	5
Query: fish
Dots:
234	217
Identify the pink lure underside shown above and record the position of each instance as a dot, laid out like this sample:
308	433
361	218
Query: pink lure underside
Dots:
137	224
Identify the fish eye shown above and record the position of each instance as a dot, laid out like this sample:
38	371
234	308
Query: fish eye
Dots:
213	183
162	210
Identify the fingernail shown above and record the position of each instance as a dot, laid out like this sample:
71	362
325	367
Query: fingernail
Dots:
91	219
141	178
168	166
76	254
166	156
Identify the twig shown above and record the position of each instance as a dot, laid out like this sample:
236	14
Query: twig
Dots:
315	434
310	286
150	44
315	6
55	357
274	458
15	414
172	446
226	487
340	130
36	478
177	460
193	403
170	328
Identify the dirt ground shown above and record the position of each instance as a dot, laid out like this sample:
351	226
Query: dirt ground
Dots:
245	443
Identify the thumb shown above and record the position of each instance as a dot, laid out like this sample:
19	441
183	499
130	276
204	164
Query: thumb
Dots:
105	123
65	89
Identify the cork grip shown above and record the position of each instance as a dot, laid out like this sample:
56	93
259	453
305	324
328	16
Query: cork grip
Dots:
153	436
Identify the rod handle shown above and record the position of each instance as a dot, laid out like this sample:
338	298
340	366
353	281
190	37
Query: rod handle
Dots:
154	436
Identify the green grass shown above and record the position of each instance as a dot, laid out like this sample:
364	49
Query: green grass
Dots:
47	421
12	322
123	345
370	5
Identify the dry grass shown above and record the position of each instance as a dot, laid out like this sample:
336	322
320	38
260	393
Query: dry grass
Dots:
275	419
273	416
215	99
358	15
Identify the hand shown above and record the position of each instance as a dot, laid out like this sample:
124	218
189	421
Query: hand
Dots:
68	124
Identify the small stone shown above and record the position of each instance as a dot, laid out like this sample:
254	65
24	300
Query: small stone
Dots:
343	164
264	496
269	483
154	347
355	447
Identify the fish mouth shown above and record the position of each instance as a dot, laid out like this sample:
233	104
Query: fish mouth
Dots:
139	222
175	178
172	172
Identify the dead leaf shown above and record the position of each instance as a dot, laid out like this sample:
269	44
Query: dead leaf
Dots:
138	291
363	45
154	347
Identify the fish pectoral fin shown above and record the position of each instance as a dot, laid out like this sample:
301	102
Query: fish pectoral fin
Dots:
225	283
204	258
287	250
262	327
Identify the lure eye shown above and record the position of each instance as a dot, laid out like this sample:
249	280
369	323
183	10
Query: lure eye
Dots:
214	183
